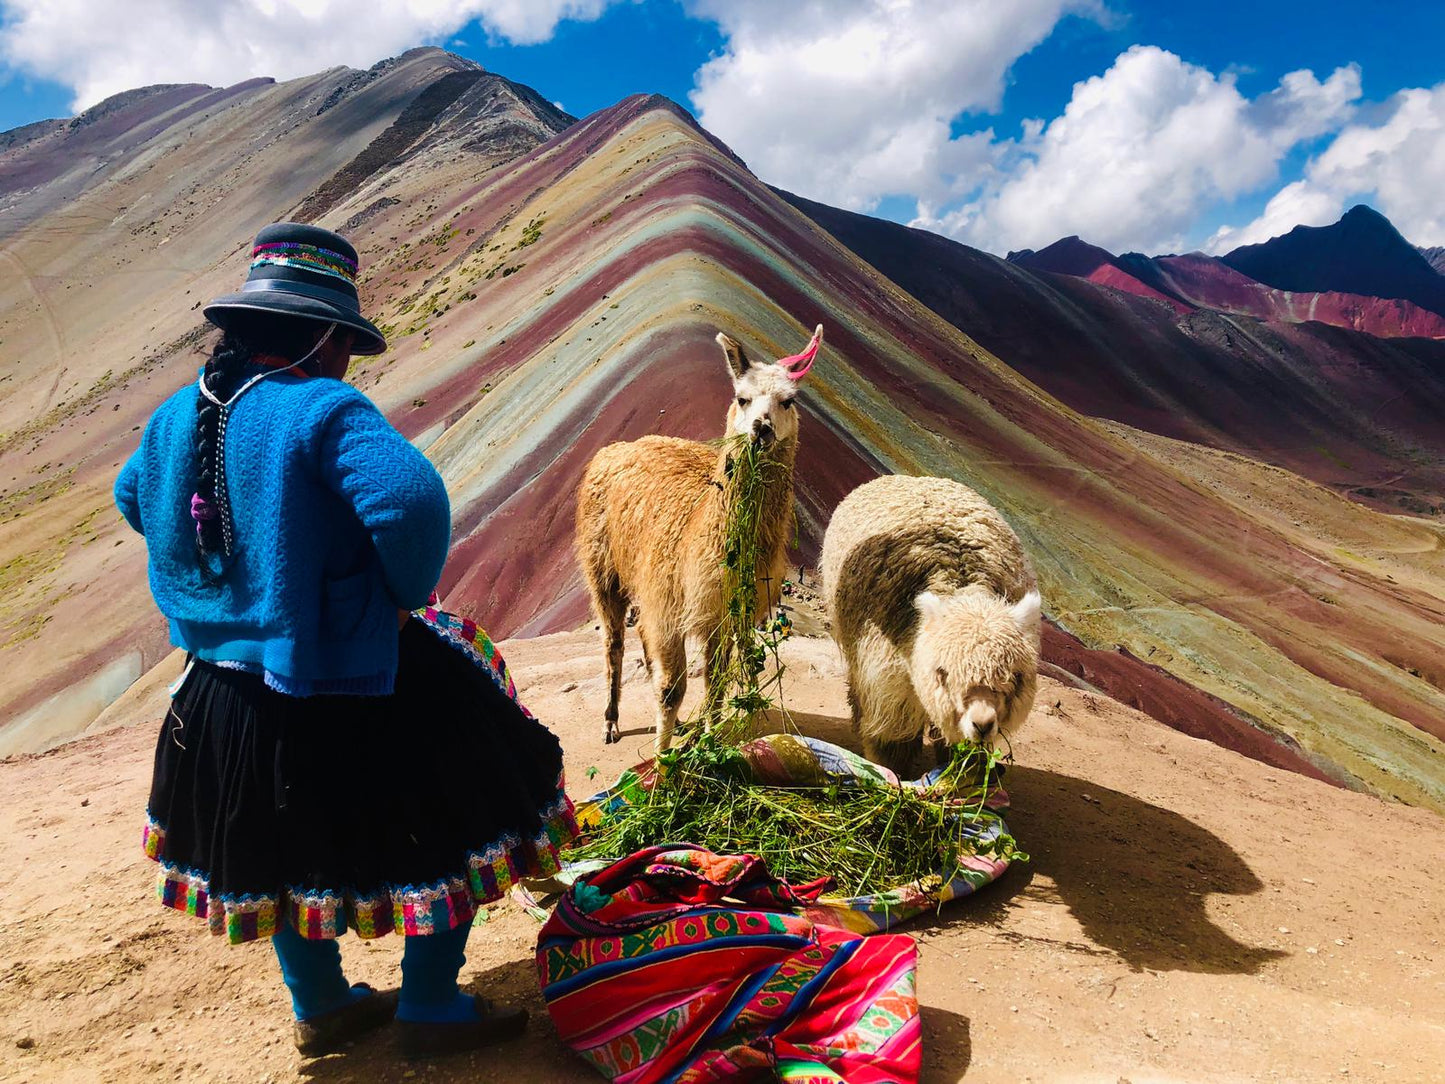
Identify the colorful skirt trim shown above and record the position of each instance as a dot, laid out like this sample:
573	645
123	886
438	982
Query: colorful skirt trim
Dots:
410	910
406	812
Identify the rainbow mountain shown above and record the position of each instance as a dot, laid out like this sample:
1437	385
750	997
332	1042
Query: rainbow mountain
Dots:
550	285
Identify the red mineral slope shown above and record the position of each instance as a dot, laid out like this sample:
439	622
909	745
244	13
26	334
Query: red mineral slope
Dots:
1205	282
1196	281
1072	256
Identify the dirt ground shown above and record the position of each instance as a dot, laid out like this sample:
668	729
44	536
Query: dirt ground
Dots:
1188	915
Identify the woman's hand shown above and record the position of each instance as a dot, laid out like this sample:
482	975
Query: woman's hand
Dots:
401	616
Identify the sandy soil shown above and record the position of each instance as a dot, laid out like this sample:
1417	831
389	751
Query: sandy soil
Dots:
1188	915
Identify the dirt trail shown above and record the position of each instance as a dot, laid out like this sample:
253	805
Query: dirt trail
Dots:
1189	915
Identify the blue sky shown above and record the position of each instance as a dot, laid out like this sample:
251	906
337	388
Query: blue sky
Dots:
812	106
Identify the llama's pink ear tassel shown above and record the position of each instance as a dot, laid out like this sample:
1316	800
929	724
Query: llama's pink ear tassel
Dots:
799	364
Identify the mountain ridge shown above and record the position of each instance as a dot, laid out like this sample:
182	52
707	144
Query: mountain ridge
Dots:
1196	281
1207	377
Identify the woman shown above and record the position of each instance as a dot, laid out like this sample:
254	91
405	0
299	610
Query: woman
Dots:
327	760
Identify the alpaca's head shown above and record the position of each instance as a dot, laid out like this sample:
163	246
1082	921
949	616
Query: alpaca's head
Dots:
763	406
975	662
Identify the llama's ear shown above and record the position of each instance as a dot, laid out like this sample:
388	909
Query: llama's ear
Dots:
929	605
1027	613
737	361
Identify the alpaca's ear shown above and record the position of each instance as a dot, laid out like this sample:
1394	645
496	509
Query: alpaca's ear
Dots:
737	361
929	605
1027	612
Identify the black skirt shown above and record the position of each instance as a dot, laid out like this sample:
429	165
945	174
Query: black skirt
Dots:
402	812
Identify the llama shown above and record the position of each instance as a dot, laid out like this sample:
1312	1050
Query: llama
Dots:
936	609
651	519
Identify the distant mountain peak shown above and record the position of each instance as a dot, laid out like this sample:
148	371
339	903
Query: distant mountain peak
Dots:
1070	255
1363	216
1362	253
421	52
1364	212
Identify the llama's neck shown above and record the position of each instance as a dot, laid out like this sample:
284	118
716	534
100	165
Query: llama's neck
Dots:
775	516
778	465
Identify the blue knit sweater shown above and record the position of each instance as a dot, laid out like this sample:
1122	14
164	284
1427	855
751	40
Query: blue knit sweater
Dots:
339	522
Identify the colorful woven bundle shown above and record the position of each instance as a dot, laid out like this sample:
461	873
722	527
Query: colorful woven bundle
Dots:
789	760
321	261
651	977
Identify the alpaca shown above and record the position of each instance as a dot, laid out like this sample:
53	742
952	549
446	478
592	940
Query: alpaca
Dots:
936	608
651	519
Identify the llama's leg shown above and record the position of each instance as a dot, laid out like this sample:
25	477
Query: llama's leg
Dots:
713	691
669	680
646	654
886	715
879	728
612	608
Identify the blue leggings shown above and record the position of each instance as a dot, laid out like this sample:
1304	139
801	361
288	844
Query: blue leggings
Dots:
429	969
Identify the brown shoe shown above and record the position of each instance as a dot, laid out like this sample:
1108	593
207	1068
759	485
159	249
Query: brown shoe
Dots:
494	1024
330	1031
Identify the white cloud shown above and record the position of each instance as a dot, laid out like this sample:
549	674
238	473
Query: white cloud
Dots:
1141	151
1395	159
1296	204
854	101
851	101
99	48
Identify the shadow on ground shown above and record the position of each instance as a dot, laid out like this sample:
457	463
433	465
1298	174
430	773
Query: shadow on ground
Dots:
1135	875
544	1056
947	1046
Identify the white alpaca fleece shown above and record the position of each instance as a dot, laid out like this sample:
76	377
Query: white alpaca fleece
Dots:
937	611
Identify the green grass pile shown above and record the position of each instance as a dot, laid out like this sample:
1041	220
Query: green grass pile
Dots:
867	837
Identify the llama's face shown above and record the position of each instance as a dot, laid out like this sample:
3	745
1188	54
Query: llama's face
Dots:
975	662
764	406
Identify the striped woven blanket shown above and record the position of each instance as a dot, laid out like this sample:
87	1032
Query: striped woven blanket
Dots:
679	965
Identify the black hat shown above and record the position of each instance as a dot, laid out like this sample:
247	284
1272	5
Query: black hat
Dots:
303	271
